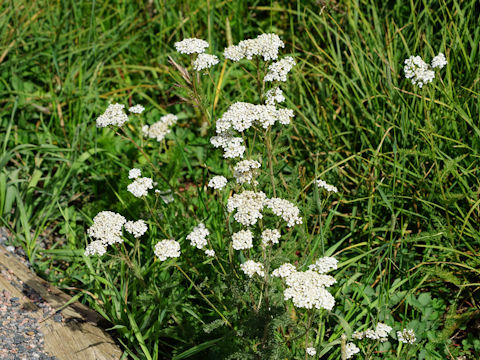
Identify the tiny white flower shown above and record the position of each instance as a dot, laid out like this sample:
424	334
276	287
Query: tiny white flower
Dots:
204	61
210	252
167	249
242	240
140	186
251	268
439	61
136	228
351	350
311	351
114	115
406	336
95	247
137	109
191	46
198	237
134	173
217	182
329	188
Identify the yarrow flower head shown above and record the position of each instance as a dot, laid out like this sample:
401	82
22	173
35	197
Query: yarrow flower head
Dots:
270	236
351	349
217	182
167	249
274	96
418	71
286	210
95	247
380	333
251	268
191	46
278	70
232	146
136	228
311	351
242	240
198	237
114	115
406	336
134	173
284	271
265	45
241	116
140	186
329	188
210	252
439	61
308	290
107	227
137	109
245	171
160	128
324	265
249	205
204	61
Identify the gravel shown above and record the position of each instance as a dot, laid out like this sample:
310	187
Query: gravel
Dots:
20	337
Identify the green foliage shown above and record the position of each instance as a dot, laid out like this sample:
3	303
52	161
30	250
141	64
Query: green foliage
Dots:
406	161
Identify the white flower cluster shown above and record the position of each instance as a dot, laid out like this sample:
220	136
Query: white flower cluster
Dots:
329	188
241	116
270	236
140	186
210	252
286	210
418	71
249	205
114	115
380	333
278	70
251	268
265	45
217	182
134	173
242	240
95	247
136	228
324	265
274	96
107	227
351	349
167	249
245	171
191	46
198	237
406	336
439	61
160	128
311	351
308	290
204	61
137	109
284	271
232	146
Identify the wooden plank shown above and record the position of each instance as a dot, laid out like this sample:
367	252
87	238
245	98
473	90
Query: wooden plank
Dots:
80	336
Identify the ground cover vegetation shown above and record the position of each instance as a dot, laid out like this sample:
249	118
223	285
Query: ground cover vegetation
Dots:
188	185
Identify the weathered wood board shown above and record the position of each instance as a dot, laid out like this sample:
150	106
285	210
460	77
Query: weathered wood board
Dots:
79	336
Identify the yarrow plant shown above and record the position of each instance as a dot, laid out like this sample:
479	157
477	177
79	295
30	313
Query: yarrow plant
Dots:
419	72
249	226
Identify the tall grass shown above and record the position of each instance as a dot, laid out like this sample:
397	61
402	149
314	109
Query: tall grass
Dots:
405	159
